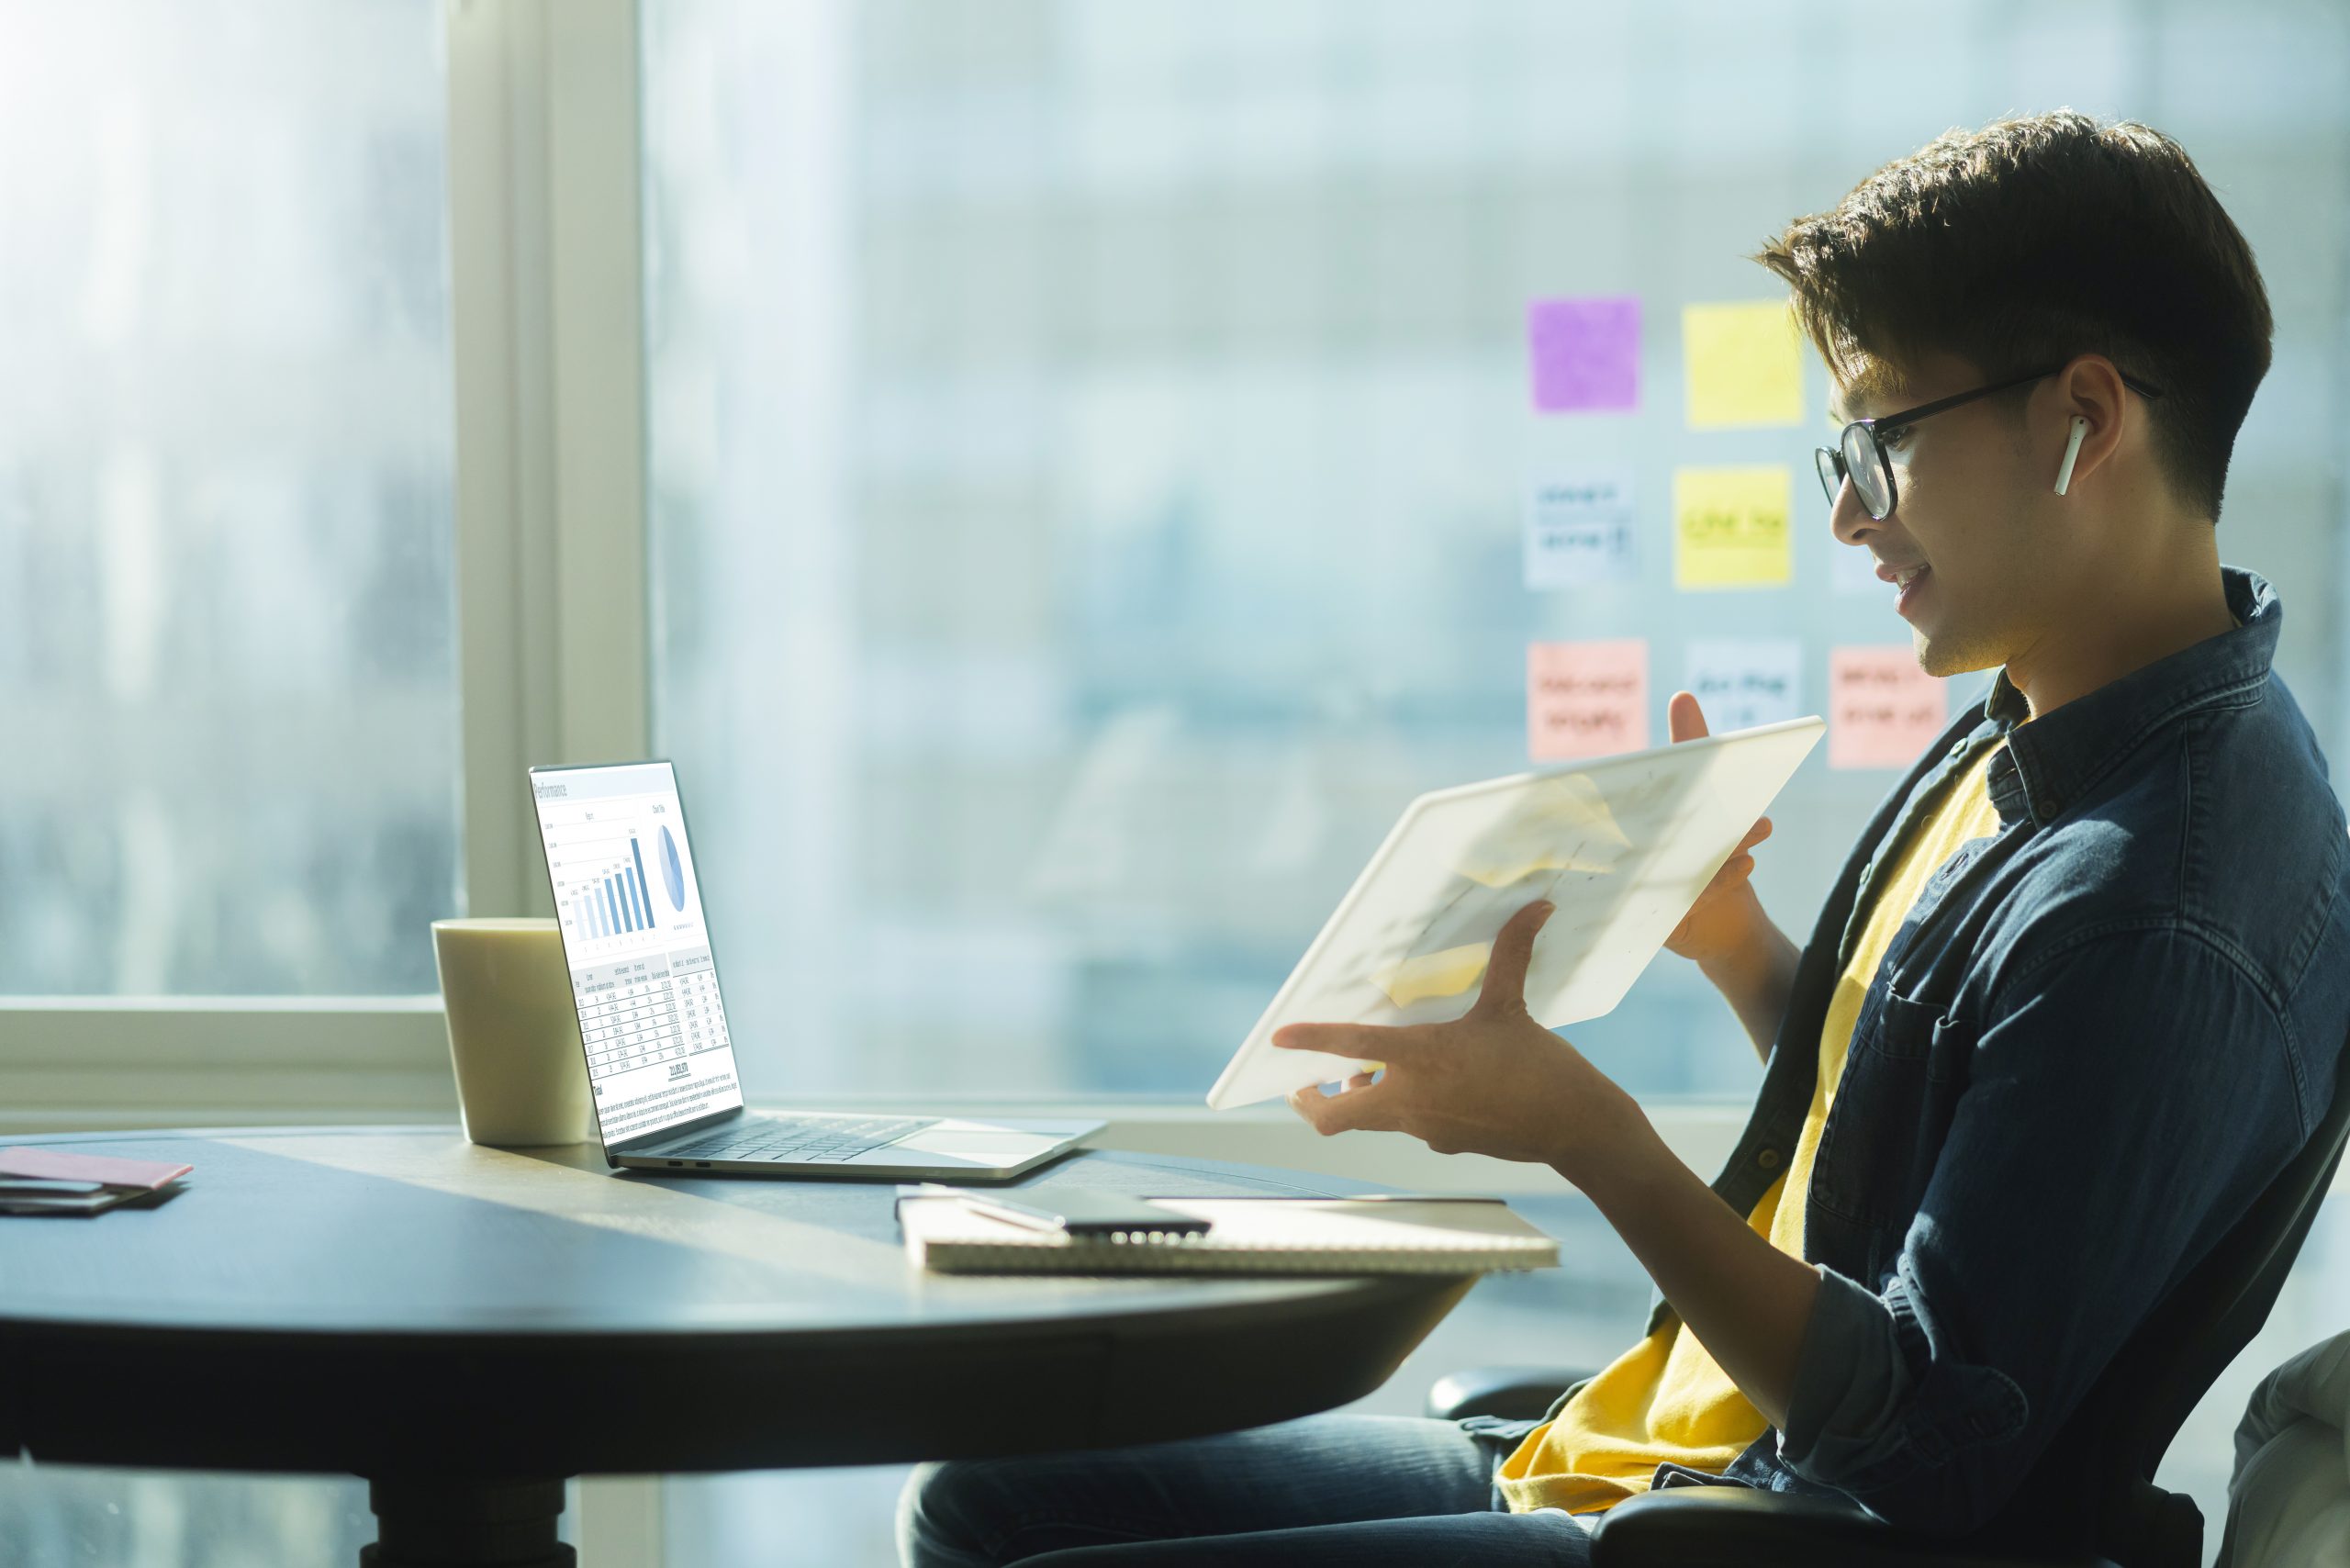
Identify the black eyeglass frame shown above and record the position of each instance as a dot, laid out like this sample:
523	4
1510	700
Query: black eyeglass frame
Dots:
1834	463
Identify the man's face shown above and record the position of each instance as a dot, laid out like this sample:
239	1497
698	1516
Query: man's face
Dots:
1964	511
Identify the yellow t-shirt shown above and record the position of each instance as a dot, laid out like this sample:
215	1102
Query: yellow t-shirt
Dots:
1664	1399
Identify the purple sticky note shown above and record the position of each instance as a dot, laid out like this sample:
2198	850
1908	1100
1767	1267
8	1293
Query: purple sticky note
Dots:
1586	353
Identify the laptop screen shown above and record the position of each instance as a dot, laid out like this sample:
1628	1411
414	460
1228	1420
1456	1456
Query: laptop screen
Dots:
630	906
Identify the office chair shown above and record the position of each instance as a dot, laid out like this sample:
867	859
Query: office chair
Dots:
2107	1513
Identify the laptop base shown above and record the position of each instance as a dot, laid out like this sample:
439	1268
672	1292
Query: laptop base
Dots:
949	1147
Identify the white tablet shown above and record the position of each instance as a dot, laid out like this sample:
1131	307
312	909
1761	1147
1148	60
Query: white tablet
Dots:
1621	844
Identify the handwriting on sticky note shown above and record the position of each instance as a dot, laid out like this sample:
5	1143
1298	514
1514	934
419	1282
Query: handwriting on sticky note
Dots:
1586	699
1741	366
1585	352
1883	709
1730	527
1740	682
1579	529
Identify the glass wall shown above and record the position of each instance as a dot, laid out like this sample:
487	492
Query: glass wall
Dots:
1092	445
227	673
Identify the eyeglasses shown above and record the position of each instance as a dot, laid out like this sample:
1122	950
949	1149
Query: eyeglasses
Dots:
1859	452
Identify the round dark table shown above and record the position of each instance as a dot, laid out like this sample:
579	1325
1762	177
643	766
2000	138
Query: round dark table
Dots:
467	1327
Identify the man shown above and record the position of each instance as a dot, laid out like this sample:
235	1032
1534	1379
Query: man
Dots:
2079	994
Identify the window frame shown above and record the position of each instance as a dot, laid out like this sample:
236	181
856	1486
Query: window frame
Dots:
546	352
545	269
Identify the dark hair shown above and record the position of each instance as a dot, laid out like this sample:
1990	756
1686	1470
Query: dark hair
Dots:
2036	239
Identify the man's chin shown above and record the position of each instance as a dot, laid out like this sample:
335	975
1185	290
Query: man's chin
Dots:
1944	654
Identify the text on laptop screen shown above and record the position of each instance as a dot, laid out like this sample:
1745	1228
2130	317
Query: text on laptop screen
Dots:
630	904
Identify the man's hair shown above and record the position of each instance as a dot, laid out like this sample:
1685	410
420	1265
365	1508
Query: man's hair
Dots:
2036	239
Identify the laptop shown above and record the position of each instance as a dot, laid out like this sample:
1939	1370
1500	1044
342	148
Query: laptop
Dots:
660	1056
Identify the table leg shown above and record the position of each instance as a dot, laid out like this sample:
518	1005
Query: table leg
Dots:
452	1522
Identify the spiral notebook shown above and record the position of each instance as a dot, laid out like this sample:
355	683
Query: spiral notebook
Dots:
1248	1235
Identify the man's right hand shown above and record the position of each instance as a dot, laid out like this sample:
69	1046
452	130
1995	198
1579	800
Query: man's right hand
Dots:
1726	916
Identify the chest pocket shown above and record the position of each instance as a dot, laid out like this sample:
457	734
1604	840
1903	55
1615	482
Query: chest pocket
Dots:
1904	1072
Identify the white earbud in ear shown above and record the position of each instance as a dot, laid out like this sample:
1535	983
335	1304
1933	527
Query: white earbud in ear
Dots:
2072	451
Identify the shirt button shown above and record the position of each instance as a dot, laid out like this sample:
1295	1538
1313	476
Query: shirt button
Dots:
1768	1159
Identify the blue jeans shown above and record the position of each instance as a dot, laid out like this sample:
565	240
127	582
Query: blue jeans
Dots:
1358	1490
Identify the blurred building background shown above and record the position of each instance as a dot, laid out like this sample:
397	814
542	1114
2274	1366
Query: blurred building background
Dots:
1090	445
1088	449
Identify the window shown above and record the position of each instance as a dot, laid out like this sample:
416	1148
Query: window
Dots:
226	630
1088	448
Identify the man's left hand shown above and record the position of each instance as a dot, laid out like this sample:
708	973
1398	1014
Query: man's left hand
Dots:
1494	1081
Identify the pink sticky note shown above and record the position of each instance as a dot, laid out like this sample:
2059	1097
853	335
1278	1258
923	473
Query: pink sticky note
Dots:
62	1165
1586	699
1883	709
1586	353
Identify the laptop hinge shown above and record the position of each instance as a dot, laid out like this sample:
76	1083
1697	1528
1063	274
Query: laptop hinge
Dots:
645	1141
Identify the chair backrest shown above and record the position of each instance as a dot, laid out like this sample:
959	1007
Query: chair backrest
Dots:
2094	1488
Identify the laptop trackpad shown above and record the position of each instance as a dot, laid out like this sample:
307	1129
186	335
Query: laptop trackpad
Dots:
975	1143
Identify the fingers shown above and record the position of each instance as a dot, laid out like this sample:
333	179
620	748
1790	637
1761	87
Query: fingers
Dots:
1365	1110
1356	1042
1505	981
1684	718
1756	835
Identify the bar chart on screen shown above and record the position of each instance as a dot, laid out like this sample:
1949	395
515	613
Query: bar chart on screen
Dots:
605	868
640	968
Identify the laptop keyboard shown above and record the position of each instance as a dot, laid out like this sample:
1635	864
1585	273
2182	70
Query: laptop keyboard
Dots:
826	1138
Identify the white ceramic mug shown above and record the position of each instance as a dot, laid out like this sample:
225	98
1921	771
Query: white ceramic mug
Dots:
513	1032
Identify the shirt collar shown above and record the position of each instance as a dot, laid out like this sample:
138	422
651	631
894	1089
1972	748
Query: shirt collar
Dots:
2050	762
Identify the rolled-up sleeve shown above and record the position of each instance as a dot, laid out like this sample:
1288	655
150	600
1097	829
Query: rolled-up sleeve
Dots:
2128	1097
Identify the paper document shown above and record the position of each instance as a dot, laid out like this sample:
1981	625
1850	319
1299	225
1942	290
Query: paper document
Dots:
1622	846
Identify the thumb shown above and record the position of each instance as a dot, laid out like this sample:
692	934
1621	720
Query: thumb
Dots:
1504	982
1684	720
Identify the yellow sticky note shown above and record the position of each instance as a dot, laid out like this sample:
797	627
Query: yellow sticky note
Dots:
1742	365
1730	527
1449	973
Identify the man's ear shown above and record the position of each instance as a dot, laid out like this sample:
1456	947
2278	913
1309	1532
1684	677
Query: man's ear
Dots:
2092	408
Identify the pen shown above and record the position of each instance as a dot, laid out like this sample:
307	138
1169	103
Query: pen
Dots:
1008	1209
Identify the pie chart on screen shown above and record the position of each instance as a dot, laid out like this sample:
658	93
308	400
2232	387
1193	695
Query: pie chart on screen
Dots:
673	875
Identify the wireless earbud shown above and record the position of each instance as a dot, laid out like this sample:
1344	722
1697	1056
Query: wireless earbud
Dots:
2072	450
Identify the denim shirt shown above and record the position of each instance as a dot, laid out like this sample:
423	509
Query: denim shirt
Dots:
2097	1037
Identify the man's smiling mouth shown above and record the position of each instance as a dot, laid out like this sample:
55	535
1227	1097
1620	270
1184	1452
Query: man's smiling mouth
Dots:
1907	581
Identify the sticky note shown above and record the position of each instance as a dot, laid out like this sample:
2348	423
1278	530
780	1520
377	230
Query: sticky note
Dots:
1579	529
1740	682
1882	711
1447	973
1730	527
1741	364
1586	699
1585	352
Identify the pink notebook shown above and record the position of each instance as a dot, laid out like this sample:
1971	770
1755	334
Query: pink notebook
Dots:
59	1165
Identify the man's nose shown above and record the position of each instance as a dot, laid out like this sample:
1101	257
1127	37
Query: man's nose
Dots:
1848	519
